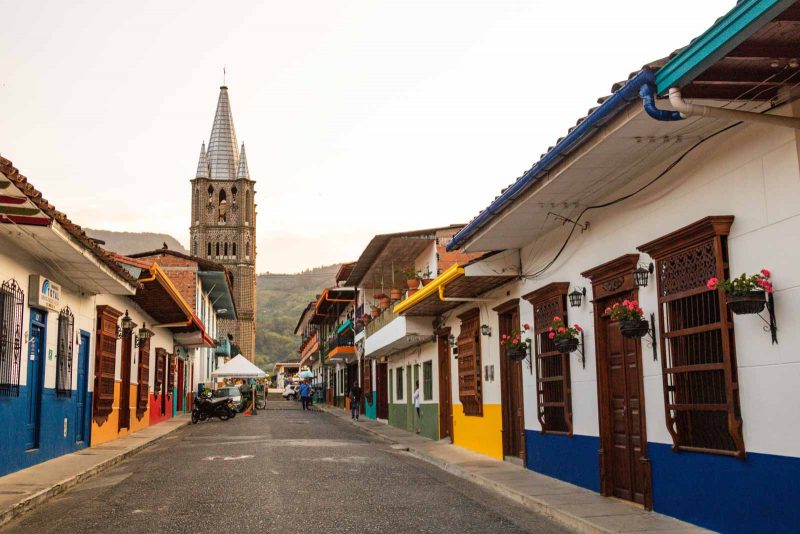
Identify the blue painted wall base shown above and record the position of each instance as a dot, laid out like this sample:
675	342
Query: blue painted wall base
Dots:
721	493
52	441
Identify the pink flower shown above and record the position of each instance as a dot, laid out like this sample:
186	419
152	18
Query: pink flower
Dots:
713	282
625	302
639	311
526	326
765	273
635	303
516	340
561	329
578	327
550	328
608	310
551	335
556	318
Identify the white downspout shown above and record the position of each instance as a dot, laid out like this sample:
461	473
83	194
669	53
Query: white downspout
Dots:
686	110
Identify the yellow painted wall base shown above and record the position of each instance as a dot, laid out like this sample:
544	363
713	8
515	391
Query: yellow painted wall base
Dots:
109	429
479	434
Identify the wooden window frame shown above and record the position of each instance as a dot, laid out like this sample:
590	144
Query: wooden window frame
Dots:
65	346
160	374
547	302
674	254
470	367
427	380
171	372
105	359
143	388
400	386
12	306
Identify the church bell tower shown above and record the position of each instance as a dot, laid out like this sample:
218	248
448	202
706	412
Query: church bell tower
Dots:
223	226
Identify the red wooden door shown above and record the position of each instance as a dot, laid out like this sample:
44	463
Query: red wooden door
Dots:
626	469
382	376
445	390
180	384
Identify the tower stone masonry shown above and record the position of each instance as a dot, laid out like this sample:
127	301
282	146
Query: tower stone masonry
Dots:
223	226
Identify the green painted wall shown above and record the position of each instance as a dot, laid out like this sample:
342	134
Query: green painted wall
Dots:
400	417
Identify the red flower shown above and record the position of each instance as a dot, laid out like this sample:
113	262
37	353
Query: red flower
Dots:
765	273
635	303
550	328
625	302
526	326
556	318
712	283
608	310
561	329
578	327
551	335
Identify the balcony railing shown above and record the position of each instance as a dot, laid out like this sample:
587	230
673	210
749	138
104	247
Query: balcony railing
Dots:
339	341
386	317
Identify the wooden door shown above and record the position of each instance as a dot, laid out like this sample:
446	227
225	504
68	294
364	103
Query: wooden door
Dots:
181	370
82	391
382	376
623	366
125	383
445	389
512	407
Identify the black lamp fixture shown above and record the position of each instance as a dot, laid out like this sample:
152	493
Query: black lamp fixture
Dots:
486	330
642	274
144	336
126	326
576	297
452	339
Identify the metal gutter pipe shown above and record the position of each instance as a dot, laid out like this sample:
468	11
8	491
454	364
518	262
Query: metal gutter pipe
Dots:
597	119
648	95
695	110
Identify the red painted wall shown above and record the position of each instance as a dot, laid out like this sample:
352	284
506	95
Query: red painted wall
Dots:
155	409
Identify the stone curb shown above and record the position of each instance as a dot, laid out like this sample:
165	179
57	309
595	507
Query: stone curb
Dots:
578	524
30	502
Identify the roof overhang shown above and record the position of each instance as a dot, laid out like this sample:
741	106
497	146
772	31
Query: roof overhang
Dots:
216	283
332	302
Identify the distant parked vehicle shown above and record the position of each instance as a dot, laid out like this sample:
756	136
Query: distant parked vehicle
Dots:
230	392
291	391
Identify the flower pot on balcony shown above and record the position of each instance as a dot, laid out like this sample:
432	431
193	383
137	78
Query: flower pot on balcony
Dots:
412	291
566	345
395	294
634	329
516	354
426	281
375	311
412	283
367	319
384	302
747	302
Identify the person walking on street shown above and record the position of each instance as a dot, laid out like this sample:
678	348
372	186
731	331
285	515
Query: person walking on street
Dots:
355	401
416	402
305	395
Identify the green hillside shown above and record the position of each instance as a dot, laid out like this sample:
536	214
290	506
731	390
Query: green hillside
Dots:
281	298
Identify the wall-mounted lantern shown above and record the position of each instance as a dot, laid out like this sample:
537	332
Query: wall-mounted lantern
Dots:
576	297
486	330
144	335
642	274
125	327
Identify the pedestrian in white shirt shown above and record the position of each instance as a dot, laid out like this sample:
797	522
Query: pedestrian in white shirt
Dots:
416	402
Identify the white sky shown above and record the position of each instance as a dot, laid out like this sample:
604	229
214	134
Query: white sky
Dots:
359	117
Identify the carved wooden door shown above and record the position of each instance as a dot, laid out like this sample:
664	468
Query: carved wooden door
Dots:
511	391
125	383
445	389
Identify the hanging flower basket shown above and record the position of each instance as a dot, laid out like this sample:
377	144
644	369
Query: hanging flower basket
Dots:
634	328
395	294
747	302
517	354
566	345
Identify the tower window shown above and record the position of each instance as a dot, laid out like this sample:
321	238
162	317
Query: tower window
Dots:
226	249
247	250
194	247
234	250
209	249
217	248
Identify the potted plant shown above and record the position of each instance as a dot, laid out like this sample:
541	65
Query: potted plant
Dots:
366	319
395	294
427	276
412	277
631	318
564	337
745	294
374	310
516	347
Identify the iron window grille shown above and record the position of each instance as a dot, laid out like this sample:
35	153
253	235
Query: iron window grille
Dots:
11	306
64	352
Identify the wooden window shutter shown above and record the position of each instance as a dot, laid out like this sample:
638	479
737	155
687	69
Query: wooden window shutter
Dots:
105	359
701	389
553	381
161	361
143	399
469	364
171	371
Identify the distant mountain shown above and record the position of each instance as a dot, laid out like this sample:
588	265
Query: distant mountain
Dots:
281	298
132	242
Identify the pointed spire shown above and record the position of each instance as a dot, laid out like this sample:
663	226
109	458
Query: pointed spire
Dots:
202	165
243	172
223	151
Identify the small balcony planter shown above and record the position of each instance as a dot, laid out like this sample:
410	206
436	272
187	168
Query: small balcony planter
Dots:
384	302
516	347
374	311
565	338
745	294
395	294
412	277
634	329
566	345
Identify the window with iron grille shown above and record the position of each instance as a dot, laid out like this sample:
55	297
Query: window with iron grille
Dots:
470	384
427	380
701	389
553	381
64	352
11	307
400	388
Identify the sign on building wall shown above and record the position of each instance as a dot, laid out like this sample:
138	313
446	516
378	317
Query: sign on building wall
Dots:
43	293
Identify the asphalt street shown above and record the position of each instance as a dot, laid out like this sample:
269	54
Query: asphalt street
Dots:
283	470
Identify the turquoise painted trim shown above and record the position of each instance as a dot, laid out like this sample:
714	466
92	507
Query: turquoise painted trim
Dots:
726	34
347	324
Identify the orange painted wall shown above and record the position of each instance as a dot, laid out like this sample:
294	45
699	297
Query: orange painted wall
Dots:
106	429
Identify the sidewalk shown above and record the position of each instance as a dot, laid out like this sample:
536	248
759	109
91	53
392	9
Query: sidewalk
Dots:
23	490
577	508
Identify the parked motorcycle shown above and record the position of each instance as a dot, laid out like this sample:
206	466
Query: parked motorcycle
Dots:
206	408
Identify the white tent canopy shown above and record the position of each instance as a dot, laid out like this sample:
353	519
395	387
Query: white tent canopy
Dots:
238	367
